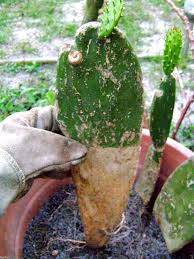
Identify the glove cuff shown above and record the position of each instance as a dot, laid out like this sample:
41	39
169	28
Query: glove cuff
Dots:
12	179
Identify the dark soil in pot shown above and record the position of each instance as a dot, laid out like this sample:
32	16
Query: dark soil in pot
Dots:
57	232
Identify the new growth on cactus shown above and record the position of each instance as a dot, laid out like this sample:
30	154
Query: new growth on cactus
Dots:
110	17
173	46
101	105
161	115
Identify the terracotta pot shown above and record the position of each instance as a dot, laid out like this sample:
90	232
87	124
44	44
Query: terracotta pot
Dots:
14	224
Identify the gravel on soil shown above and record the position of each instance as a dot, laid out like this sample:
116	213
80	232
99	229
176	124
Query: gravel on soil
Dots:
57	232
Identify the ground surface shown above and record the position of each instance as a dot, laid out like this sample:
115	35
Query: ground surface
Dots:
57	232
59	222
40	28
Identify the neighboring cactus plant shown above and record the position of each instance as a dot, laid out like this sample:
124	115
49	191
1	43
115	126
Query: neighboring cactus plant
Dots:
164	99
100	99
92	8
161	112
174	207
161	115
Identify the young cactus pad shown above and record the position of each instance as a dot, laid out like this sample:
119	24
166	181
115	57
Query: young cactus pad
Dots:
110	17
173	45
100	99
174	207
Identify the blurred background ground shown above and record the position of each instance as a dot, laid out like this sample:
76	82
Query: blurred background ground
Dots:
39	28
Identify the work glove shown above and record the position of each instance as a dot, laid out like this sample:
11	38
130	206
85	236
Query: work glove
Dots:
30	146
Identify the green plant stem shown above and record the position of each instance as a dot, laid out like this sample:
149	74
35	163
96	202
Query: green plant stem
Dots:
91	10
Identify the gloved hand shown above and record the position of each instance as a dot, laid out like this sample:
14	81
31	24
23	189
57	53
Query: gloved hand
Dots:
30	146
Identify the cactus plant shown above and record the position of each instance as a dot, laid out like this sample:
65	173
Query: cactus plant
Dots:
161	115
173	45
100	99
174	207
92	10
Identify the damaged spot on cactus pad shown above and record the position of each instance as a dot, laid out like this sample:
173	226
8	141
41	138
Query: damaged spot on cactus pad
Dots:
75	58
158	93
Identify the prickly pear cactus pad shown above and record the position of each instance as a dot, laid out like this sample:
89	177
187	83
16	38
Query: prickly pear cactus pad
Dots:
162	111
174	207
100	99
173	46
110	17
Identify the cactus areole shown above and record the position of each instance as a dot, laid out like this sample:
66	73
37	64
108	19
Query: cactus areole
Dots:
100	103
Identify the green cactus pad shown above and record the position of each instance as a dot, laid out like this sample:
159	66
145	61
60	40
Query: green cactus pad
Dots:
173	45
162	111
174	207
100	97
110	17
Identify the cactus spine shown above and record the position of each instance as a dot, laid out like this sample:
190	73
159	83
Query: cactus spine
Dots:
161	115
174	207
101	105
